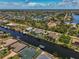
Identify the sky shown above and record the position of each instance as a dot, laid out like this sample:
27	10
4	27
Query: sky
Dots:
39	4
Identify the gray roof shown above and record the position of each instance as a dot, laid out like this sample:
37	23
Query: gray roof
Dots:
43	56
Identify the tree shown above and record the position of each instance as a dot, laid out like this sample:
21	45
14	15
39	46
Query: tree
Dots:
65	39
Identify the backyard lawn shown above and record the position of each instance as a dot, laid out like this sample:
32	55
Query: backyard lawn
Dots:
14	57
65	39
3	53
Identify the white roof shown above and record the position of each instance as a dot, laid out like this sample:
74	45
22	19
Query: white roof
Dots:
12	24
29	28
36	30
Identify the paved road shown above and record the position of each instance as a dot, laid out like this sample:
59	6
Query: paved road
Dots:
44	45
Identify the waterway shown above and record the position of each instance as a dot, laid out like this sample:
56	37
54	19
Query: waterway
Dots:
42	44
75	18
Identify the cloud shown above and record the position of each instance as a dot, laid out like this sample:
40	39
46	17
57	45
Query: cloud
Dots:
34	4
69	3
65	4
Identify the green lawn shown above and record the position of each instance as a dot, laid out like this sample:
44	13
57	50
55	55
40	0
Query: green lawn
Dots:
14	57
3	53
65	39
37	52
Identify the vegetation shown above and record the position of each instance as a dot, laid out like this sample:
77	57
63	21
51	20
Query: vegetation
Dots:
37	53
14	57
41	20
65	39
3	53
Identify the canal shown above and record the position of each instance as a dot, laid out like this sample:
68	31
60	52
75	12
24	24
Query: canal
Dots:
42	44
75	18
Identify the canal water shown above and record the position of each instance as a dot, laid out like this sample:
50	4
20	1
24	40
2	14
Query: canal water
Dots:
75	19
49	47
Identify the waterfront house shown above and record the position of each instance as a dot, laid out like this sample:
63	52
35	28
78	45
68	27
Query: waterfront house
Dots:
9	42
38	31
29	29
18	46
54	35
44	55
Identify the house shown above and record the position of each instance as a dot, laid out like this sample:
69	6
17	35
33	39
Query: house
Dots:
77	35
73	25
18	46
38	31
75	39
76	44
29	29
44	55
54	35
19	17
3	21
9	42
12	24
51	24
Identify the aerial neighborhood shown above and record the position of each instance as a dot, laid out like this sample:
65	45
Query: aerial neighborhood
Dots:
55	27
